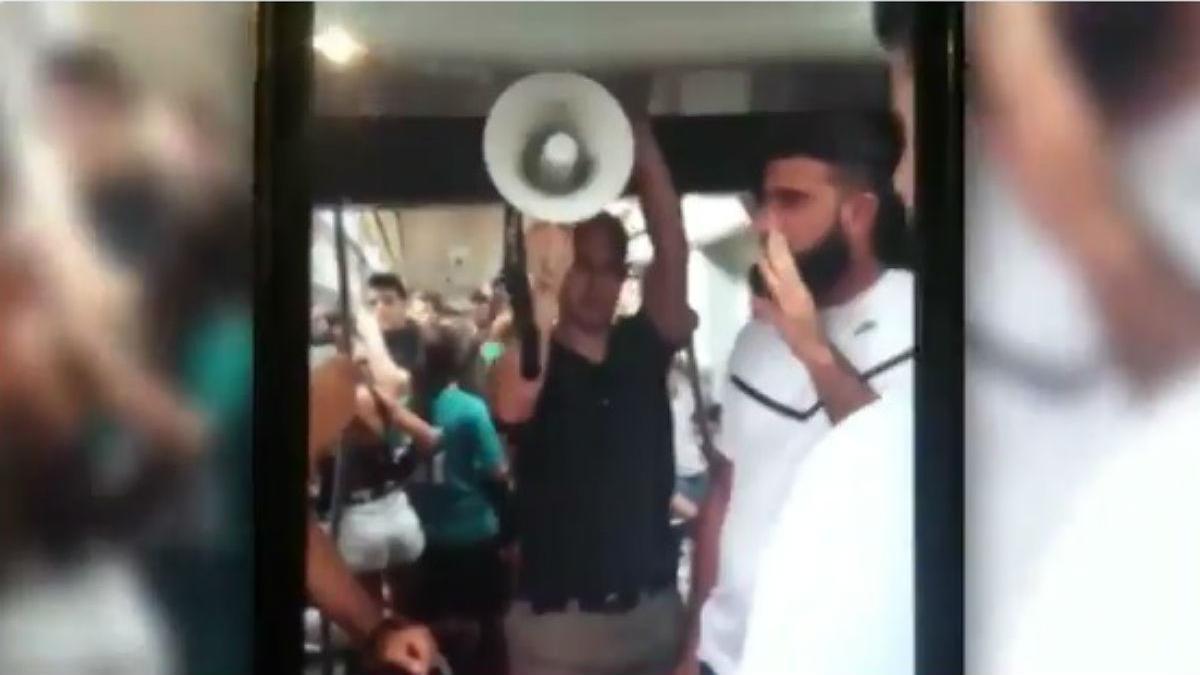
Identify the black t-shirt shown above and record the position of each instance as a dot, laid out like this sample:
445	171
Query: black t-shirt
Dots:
129	213
595	471
405	347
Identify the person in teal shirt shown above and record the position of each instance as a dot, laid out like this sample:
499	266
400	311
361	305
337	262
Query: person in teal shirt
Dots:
201	559
461	573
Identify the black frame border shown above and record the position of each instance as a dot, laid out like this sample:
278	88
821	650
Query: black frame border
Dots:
283	203
282	234
938	69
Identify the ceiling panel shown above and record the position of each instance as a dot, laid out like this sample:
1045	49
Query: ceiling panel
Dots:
598	36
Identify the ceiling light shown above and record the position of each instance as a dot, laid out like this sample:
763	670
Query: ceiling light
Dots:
335	44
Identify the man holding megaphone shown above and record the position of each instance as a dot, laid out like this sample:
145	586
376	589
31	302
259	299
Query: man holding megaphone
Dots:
592	440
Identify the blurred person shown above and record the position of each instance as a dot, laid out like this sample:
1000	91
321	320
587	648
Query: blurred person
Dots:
1080	444
194	150
384	637
380	535
398	318
199	329
70	598
498	331
483	308
90	113
593	465
832	332
894	24
426	307
461	575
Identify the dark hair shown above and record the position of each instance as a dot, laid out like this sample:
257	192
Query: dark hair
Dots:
437	304
448	349
183	283
612	227
1117	46
893	22
863	147
386	281
87	67
855	141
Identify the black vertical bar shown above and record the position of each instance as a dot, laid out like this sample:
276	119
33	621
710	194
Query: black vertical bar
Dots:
281	300
516	277
938	69
339	465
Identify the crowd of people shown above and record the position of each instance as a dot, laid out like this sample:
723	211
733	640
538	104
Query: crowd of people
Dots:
467	515
552	509
126	361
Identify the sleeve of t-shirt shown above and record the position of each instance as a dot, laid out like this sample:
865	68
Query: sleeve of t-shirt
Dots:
646	338
491	453
725	439
733	410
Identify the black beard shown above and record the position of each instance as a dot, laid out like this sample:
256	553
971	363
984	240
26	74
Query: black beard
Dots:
821	267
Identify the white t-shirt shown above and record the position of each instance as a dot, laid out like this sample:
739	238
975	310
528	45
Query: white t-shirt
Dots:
771	418
1119	590
835	584
1044	400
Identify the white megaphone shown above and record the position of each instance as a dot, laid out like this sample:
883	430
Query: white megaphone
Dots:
558	147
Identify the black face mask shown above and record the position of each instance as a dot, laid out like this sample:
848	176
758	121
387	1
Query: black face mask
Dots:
821	266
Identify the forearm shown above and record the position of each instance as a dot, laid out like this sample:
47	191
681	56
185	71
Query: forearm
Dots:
839	386
424	434
333	588
1150	309
656	191
1051	133
146	403
666	280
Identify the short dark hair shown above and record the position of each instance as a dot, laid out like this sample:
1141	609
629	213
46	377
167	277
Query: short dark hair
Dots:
858	143
448	350
387	281
894	22
613	228
90	68
863	148
1118	46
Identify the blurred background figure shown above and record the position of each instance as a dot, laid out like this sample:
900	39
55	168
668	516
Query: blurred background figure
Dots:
462	584
1082	153
125	416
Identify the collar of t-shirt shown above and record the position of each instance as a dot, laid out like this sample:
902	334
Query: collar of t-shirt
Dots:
872	331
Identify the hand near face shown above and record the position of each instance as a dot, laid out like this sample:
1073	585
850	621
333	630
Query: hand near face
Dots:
791	308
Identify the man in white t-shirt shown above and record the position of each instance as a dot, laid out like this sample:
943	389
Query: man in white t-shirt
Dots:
832	330
835	590
1079	552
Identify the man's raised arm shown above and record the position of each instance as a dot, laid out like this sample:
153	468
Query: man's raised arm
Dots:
665	284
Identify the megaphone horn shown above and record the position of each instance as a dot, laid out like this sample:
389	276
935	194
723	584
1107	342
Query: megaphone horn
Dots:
558	147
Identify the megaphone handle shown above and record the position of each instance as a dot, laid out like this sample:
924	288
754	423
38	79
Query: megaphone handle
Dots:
531	368
516	278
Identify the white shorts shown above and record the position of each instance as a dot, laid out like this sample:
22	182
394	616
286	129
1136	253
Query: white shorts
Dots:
381	534
93	618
